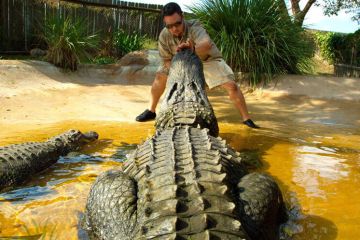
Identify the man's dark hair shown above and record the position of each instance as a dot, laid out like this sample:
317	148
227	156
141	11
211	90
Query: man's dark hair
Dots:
171	8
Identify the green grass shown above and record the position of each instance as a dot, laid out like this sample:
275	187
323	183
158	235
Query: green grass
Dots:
103	60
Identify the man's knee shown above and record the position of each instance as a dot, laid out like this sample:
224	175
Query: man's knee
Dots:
230	86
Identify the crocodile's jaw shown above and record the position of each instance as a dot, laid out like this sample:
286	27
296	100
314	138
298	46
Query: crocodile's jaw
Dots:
188	114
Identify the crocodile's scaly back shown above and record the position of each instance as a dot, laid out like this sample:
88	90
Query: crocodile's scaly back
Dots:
185	100
186	193
20	161
184	179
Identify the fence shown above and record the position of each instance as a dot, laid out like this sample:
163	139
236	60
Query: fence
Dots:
343	70
22	21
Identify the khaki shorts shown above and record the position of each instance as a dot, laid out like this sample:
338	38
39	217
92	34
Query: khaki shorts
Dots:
216	72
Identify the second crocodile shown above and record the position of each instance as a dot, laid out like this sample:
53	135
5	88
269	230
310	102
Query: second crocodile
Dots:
18	162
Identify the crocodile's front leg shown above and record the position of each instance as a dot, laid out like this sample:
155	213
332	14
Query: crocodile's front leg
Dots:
111	210
261	206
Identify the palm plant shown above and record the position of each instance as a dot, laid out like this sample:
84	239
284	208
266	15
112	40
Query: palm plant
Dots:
255	36
68	42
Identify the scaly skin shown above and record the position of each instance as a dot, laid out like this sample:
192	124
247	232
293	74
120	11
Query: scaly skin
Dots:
20	161
185	101
184	183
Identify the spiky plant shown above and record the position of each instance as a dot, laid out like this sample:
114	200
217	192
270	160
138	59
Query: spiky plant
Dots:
125	43
255	36
68	41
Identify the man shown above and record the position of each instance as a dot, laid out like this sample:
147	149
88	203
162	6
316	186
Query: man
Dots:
179	34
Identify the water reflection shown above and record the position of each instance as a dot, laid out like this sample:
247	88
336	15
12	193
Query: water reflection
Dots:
316	167
23	194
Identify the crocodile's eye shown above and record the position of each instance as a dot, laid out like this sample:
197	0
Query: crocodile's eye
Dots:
173	89
193	86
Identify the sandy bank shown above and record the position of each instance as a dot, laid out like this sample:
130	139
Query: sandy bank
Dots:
37	92
322	87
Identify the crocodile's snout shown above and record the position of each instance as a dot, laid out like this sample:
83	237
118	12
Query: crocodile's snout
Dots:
185	101
75	138
90	136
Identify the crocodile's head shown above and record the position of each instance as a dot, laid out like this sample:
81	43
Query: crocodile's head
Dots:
185	101
72	140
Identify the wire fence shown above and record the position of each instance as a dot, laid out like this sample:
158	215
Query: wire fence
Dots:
22	21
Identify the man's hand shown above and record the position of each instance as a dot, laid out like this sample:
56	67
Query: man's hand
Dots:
188	44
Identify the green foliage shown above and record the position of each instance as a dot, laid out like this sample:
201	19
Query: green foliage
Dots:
257	37
107	45
150	44
103	60
68	42
125	43
353	48
323	41
339	48
332	7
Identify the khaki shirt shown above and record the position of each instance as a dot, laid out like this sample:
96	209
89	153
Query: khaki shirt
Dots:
216	71
193	31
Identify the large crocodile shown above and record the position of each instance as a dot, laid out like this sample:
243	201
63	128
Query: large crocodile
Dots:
184	182
18	162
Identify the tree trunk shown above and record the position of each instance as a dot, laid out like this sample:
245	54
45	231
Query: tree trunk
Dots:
299	15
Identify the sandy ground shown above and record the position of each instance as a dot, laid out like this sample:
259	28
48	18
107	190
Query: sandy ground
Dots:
36	92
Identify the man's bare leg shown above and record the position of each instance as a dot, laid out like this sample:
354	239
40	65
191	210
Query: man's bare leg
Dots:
157	89
238	99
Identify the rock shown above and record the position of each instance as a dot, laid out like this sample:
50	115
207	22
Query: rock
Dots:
135	58
37	52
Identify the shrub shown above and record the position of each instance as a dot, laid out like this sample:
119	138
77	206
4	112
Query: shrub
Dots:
68	42
125	43
339	47
323	42
150	44
353	48
257	37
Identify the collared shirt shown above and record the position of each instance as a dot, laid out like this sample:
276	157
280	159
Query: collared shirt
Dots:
194	31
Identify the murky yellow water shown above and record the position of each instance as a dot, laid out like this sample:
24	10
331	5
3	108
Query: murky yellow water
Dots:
317	166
